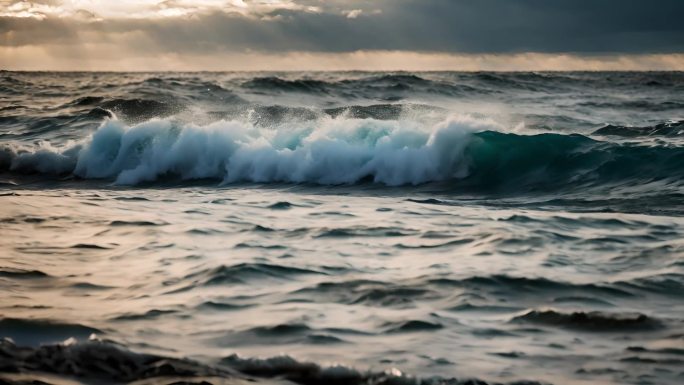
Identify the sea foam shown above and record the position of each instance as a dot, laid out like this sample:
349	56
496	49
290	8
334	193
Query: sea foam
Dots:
326	151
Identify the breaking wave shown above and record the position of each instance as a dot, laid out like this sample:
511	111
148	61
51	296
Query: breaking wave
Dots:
459	152
333	151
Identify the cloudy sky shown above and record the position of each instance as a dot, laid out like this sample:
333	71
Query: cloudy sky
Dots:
341	34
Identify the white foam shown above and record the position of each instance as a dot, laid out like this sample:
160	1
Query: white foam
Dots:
327	151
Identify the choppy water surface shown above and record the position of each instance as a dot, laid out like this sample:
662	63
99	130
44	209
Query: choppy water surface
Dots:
352	228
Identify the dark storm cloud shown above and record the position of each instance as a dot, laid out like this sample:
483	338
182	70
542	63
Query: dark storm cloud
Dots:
16	31
453	26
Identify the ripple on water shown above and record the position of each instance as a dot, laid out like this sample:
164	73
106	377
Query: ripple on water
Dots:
252	245
91	246
152	314
135	223
455	242
670	284
524	285
8	272
222	306
243	272
594	321
362	231
287	333
366	292
412	326
281	206
132	199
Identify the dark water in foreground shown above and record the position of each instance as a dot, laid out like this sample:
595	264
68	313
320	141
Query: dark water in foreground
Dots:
350	228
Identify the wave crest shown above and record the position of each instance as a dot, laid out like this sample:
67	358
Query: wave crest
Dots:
328	151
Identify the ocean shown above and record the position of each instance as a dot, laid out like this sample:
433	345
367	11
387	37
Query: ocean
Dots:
342	228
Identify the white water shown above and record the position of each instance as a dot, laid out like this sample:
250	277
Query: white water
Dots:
326	151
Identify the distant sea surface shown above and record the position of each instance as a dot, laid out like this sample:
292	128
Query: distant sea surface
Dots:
342	228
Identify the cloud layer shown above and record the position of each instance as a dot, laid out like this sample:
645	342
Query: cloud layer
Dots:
229	28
